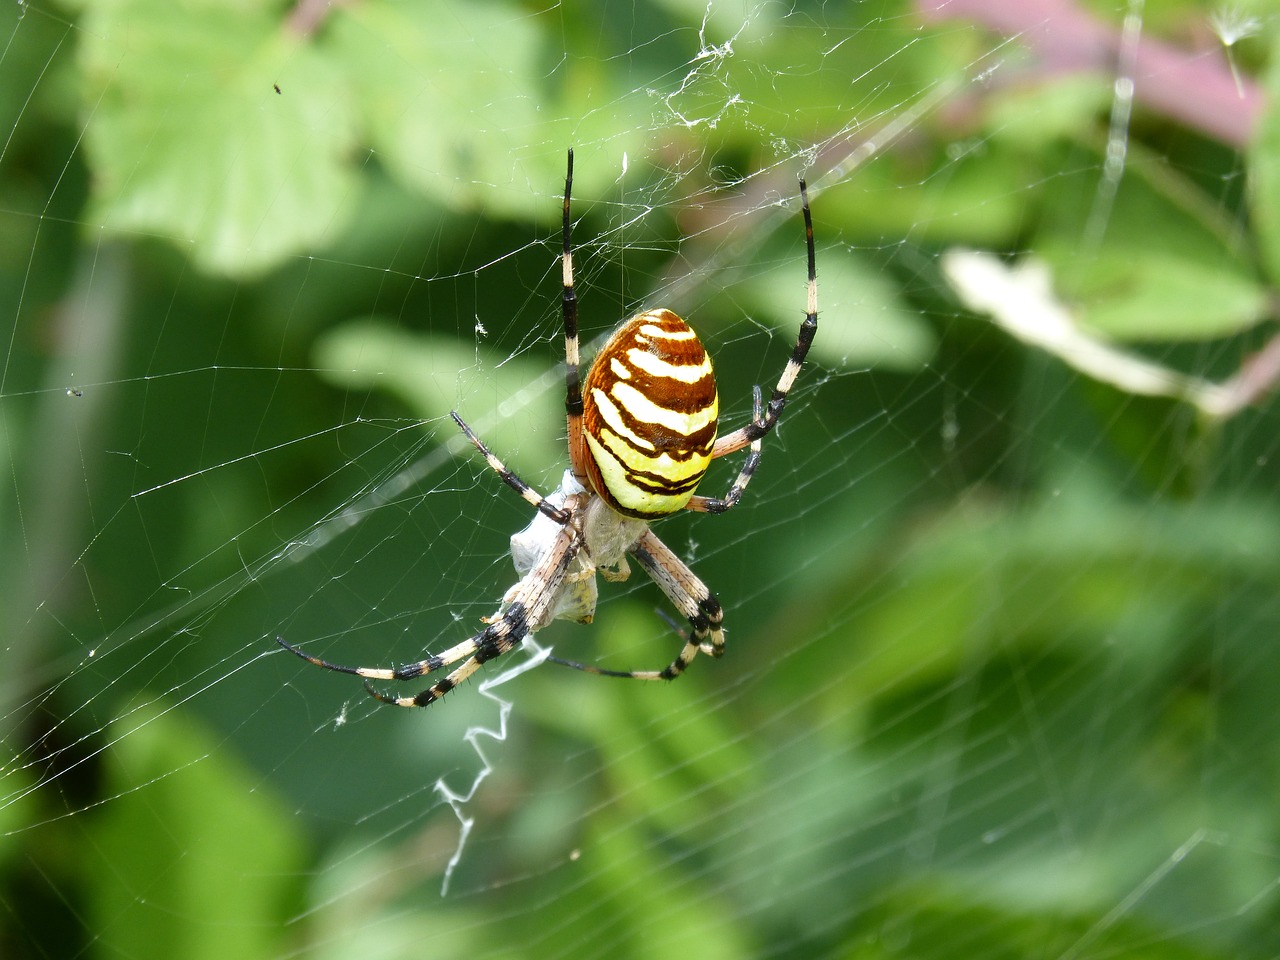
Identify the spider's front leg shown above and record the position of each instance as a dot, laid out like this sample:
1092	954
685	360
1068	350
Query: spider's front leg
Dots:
528	607
493	641
690	596
503	634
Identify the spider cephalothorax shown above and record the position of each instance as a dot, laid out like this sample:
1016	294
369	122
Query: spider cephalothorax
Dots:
641	434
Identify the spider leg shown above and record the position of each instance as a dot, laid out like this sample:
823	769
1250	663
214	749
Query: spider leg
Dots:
530	495
759	427
572	358
406	671
730	500
502	635
529	607
689	595
625	674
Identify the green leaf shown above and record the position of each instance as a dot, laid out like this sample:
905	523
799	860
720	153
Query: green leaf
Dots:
862	318
192	858
1029	116
1156	296
1082	566
188	138
676	917
445	89
1166	266
1264	169
515	405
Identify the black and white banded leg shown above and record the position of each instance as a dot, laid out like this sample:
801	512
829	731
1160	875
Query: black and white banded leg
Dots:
527	493
689	595
730	499
761	426
529	606
573	404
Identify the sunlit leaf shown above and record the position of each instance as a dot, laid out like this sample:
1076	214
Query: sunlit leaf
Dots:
189	139
1154	297
445	93
862	317
1264	170
515	406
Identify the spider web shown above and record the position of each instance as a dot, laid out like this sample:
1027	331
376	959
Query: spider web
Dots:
1001	600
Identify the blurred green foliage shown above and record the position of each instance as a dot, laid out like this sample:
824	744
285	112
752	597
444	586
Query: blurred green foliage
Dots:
1003	638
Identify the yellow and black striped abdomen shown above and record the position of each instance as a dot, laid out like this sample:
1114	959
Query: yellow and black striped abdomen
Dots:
649	416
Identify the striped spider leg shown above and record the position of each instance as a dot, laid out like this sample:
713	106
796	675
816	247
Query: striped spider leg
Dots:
528	606
642	432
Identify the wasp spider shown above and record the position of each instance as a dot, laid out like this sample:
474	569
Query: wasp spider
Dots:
642	432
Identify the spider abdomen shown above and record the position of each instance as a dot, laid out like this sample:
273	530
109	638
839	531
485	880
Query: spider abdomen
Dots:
649	416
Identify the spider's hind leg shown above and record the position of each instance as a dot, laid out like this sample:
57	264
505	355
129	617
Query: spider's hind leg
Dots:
748	470
759	426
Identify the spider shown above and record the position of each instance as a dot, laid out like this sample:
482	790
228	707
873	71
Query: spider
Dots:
641	434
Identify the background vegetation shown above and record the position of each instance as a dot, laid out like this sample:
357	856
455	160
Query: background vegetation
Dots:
1003	622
